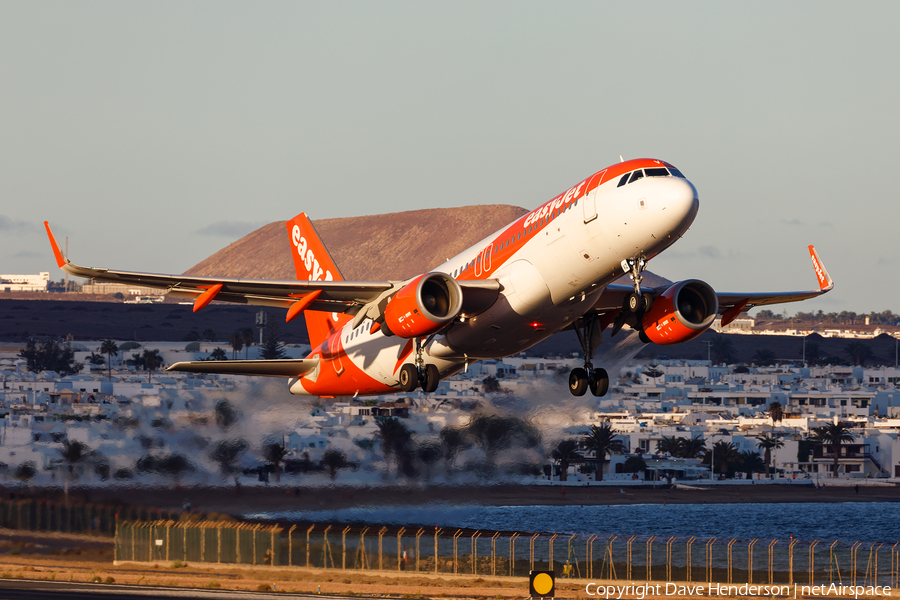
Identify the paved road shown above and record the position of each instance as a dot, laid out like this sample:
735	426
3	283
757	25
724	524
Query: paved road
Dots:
16	589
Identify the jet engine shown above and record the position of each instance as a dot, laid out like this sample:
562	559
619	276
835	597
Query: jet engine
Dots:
423	306
681	313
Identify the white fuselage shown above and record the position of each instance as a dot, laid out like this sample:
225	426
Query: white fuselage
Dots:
552	265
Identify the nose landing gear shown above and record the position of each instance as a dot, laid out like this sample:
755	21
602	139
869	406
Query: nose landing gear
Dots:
637	302
580	379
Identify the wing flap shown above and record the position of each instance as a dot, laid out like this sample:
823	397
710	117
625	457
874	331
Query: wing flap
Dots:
286	367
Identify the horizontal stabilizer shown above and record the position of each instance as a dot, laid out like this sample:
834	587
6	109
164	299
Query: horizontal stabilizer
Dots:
286	367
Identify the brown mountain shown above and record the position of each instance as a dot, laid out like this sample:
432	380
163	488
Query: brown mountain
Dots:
372	248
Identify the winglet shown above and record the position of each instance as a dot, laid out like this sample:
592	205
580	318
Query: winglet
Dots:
825	281
60	259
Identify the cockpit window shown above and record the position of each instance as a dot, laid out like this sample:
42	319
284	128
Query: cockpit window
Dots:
652	172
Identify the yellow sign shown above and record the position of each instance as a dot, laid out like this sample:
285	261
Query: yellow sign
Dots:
541	584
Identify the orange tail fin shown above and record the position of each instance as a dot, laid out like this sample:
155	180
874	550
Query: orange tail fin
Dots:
313	263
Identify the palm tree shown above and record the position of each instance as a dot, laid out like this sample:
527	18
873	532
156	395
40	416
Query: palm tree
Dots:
395	440
768	443
601	440
274	453
858	353
764	357
776	412
237	342
110	349
227	452
428	454
813	354
833	434
73	453
725	455
152	361
751	462
247	338
693	447
722	348
669	445
453	440
566	452
218	354
333	460
493	433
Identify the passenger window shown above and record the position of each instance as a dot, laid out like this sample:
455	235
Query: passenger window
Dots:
636	175
657	172
623	181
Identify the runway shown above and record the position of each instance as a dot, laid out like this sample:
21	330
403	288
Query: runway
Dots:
16	589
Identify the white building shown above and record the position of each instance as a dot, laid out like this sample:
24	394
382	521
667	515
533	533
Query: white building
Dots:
24	283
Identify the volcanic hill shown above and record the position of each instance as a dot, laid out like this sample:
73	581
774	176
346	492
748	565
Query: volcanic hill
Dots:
372	248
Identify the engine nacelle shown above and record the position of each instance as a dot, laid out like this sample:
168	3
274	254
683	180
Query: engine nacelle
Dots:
423	306
681	313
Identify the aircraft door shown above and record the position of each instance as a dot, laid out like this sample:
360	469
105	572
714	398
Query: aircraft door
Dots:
483	261
590	200
334	347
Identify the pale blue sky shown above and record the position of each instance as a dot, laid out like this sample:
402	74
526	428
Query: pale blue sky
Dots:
154	134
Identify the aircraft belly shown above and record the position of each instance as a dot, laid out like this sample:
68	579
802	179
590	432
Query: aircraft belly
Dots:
501	331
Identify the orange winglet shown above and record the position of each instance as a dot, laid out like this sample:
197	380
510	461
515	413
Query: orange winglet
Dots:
825	281
207	297
60	259
300	305
732	313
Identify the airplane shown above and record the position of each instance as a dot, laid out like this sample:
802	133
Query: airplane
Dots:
548	271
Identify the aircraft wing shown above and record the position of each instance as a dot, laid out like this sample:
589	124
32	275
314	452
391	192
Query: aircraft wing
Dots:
613	298
327	296
284	367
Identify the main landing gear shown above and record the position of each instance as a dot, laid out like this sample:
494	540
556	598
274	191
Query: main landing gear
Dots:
580	379
412	376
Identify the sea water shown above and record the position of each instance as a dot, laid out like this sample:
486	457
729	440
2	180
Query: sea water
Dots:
863	521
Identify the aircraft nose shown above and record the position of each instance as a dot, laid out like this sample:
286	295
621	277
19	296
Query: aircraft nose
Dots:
681	201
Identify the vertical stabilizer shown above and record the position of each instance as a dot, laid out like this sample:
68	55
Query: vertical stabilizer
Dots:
312	262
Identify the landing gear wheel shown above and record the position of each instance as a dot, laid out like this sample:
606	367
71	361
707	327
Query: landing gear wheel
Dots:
409	378
431	379
578	381
646	302
599	382
635	301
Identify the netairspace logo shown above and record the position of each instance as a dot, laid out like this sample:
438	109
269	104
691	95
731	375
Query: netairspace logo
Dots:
643	590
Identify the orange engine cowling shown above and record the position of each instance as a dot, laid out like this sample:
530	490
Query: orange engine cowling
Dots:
423	306
681	313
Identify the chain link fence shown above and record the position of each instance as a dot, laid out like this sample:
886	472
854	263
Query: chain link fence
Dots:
35	514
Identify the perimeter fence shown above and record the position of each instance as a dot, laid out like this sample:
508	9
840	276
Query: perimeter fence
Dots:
36	514
496	553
